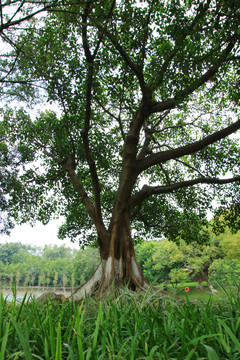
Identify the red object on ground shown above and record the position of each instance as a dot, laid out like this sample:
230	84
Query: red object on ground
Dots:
187	289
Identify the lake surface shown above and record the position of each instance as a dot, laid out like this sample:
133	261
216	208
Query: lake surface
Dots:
31	292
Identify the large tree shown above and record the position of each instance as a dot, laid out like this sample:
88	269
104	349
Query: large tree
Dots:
145	99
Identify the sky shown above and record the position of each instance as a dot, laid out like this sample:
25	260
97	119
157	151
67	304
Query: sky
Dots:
38	235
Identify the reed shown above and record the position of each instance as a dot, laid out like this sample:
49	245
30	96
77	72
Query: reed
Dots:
121	326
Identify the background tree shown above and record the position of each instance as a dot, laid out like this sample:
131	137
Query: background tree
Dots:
145	255
84	264
10	251
225	271
53	252
149	97
168	257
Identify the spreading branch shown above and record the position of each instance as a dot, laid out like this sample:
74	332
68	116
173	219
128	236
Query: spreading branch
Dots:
177	153
85	132
147	191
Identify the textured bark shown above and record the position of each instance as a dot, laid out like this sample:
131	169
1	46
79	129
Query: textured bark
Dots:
203	276
119	268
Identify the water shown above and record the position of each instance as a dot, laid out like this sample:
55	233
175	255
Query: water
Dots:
31	292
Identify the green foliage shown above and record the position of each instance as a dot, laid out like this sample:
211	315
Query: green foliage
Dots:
121	326
100	64
165	260
53	252
225	271
10	251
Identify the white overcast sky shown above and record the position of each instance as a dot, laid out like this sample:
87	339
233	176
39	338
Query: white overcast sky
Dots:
38	235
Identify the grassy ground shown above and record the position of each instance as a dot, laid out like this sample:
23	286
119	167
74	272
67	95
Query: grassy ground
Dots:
192	294
132	326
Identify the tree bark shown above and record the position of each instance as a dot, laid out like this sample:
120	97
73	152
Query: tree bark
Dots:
203	276
118	267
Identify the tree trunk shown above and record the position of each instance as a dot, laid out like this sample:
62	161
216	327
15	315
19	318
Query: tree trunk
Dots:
203	276
118	267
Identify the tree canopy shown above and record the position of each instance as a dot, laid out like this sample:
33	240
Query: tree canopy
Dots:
145	99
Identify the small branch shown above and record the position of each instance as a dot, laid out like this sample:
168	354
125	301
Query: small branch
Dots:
70	168
190	167
182	95
85	132
11	69
166	174
146	33
200	14
27	17
161	118
10	42
67	122
129	62
18	9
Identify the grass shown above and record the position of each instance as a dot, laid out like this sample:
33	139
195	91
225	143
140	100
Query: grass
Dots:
196	294
125	326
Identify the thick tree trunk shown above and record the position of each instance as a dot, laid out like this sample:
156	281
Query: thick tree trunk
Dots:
118	267
203	276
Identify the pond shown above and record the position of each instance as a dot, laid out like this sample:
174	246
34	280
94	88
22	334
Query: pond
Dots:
32	292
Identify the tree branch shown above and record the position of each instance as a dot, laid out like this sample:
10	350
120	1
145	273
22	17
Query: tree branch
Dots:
117	118
148	191
182	95
137	69
10	23
85	132
164	156
200	14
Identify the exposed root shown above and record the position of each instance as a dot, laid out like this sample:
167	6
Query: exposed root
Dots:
137	284
43	299
109	275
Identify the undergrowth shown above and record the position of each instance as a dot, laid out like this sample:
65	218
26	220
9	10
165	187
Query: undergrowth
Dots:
132	326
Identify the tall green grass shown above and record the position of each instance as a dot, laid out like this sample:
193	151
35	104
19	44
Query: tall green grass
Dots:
123	326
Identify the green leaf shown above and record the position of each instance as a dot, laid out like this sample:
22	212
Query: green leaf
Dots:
22	338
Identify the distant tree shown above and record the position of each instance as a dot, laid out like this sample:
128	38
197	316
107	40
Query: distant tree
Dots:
9	251
225	271
177	262
145	256
53	252
55	280
41	280
230	244
168	257
177	276
148	94
84	264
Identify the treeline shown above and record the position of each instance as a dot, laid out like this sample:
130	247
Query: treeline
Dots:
60	266
51	266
